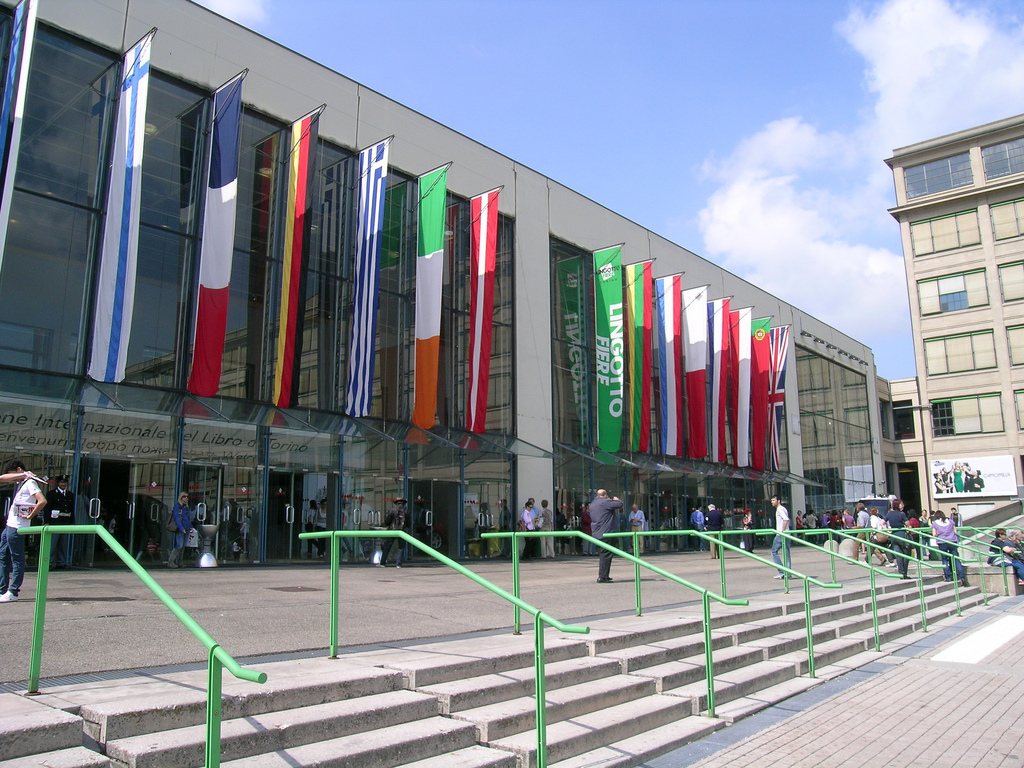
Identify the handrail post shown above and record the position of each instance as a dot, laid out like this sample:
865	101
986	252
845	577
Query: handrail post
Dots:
636	573
832	558
539	691
721	562
709	671
920	592
335	592
981	576
874	609
36	653
516	628
213	708
810	627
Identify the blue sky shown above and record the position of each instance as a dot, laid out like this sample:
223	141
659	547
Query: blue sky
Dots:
751	132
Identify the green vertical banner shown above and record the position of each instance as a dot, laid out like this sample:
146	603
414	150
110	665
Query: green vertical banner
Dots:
611	364
569	276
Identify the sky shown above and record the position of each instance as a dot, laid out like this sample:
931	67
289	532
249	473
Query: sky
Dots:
752	133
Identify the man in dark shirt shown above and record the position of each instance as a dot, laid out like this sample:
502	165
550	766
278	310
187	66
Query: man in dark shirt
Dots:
60	507
604	519
714	521
897	520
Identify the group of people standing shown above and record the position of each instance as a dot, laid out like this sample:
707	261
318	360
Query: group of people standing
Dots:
534	519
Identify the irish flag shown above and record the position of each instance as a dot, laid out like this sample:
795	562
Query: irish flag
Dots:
433	188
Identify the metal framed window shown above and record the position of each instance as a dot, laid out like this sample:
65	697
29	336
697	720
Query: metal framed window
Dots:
952	292
938	175
967	415
1003	159
963	352
945	233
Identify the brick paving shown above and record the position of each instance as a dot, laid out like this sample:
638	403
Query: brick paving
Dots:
912	713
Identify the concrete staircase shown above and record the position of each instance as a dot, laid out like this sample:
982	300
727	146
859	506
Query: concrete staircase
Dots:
630	690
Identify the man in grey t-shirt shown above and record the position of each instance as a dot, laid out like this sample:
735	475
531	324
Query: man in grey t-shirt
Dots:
604	519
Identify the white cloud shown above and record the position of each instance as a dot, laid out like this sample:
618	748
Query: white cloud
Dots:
802	213
247	12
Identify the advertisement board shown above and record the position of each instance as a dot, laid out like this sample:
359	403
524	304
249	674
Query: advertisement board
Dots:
978	476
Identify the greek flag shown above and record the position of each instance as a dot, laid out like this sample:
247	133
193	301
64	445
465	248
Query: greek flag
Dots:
373	173
115	292
12	111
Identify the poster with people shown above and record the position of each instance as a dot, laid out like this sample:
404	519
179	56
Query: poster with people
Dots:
974	476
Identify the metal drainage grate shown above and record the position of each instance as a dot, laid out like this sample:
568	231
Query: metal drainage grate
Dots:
296	589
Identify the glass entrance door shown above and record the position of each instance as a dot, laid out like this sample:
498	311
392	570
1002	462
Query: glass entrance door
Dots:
132	501
284	517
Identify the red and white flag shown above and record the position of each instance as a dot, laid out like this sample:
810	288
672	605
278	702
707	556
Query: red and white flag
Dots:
739	373
718	332
695	347
483	246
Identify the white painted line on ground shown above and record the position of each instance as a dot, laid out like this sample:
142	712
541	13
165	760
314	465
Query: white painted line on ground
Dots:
980	643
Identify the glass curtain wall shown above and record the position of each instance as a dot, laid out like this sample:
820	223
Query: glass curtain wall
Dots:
835	431
55	212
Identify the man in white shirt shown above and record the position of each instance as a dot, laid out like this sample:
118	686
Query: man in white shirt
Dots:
27	503
780	542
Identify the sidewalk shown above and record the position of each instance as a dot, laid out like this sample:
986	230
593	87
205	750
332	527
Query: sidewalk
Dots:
911	709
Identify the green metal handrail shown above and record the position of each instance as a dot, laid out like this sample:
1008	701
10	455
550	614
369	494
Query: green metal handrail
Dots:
921	563
217	660
539	617
706	595
716	538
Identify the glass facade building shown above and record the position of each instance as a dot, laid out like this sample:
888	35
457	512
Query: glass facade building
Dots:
254	467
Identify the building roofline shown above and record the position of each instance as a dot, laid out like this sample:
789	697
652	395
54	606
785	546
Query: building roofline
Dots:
952	138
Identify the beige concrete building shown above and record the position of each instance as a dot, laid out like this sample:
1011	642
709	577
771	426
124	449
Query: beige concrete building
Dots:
957	429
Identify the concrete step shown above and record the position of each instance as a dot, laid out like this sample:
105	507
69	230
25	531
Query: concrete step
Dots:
505	718
459	695
28	727
745	706
736	684
459	659
470	757
635	750
829	652
578	735
397	745
272	731
674	674
76	757
165	706
636	657
606	637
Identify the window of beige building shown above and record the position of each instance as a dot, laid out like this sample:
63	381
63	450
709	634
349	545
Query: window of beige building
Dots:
945	233
963	352
938	175
967	415
1015	340
1003	159
1007	219
952	292
1011	279
1018	399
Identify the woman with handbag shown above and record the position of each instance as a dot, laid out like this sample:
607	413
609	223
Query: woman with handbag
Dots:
879	536
179	525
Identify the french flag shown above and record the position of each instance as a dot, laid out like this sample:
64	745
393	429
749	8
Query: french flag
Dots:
218	240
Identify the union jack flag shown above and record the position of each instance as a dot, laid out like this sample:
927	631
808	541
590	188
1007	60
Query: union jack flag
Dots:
778	339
